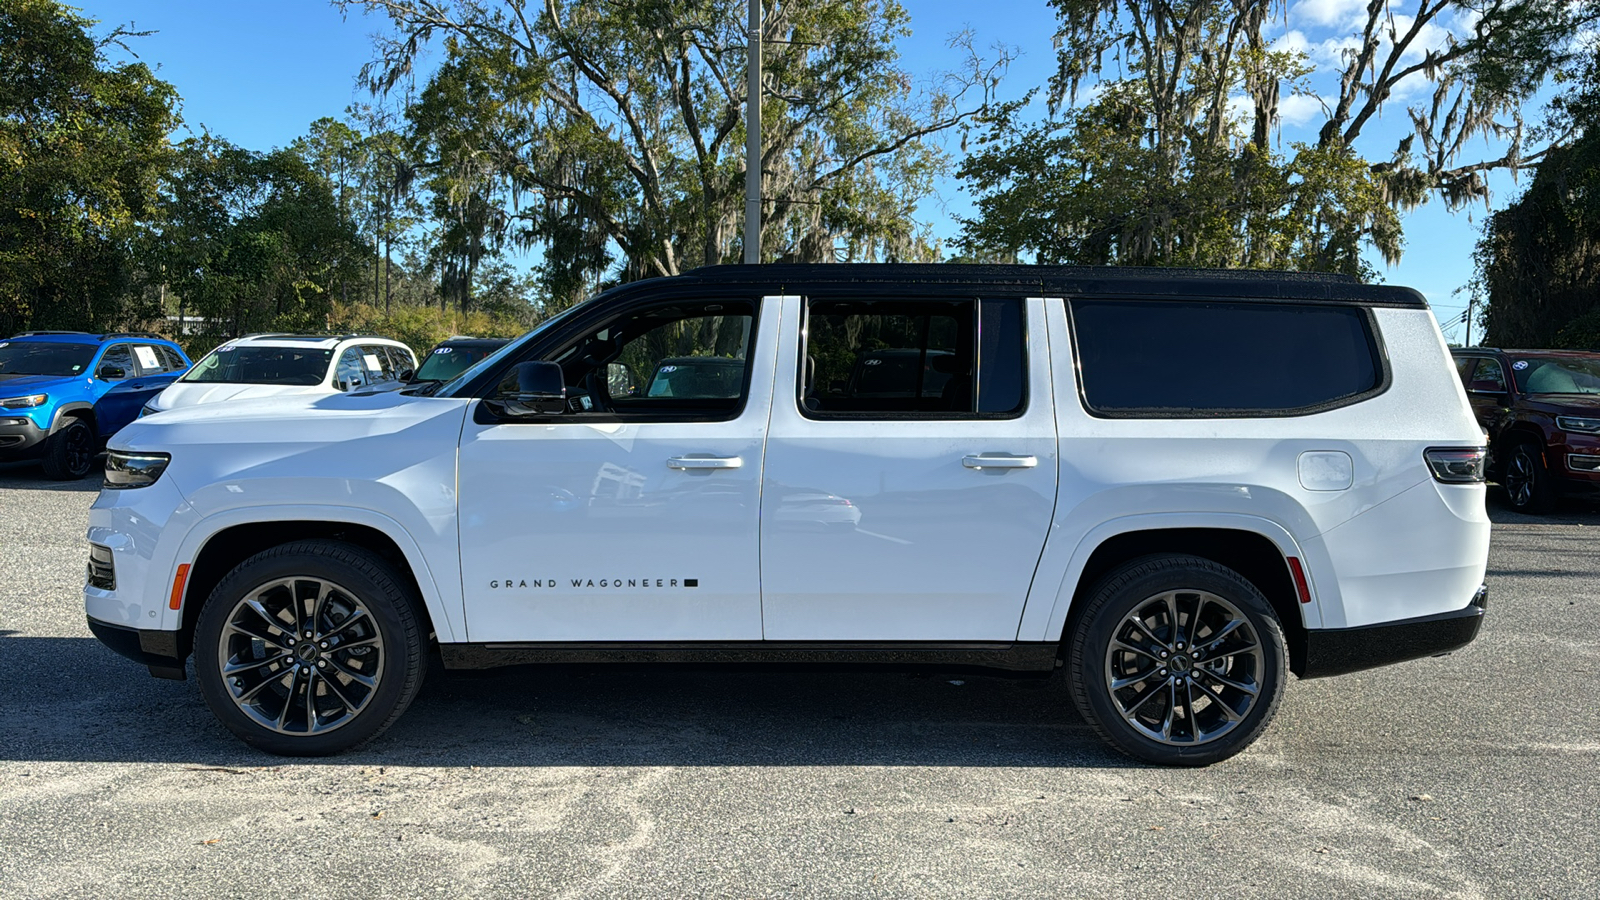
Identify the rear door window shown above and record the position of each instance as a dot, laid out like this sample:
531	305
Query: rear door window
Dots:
916	358
1190	359
117	356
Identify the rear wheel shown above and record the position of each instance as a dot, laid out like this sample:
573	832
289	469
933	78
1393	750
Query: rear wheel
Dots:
69	452
1177	660
1529	487
309	649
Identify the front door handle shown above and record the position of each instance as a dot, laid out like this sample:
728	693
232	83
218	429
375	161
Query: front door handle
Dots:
985	461
704	462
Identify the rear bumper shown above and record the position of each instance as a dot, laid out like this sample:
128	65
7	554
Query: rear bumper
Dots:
156	650
1336	651
20	437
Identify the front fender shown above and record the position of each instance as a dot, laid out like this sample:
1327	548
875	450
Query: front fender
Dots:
444	606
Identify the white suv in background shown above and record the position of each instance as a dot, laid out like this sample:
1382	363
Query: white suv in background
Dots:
278	365
1177	486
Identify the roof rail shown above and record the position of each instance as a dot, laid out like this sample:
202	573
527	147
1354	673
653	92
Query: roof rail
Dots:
132	334
36	333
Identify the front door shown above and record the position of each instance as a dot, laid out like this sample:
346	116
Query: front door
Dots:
634	515
911	469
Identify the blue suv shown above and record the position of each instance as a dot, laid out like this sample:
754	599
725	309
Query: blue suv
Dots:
63	393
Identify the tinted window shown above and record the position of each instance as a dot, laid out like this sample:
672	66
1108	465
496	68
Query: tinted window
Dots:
1488	376
150	359
304	366
172	358
402	361
118	356
688	360
445	363
1558	374
896	358
1197	358
351	371
44	357
375	359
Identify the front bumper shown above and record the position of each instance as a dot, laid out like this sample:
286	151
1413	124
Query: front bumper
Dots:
156	650
20	436
1336	651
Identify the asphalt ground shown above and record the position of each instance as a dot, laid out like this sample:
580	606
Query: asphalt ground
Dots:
1472	775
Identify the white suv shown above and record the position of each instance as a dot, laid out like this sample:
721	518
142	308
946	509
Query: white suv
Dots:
280	365
1179	486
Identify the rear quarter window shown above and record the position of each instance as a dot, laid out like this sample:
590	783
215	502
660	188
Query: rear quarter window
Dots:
1198	359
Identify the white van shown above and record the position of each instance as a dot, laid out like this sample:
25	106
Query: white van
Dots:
1179	486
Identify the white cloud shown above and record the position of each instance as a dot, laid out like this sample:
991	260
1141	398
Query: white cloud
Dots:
1327	12
1297	109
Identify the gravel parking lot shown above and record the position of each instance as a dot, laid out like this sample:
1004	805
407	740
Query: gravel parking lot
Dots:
1473	775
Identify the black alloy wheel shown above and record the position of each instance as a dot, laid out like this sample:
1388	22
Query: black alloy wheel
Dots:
1527	480
69	453
1177	660
310	648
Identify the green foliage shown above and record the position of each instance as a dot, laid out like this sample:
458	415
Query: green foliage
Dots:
250	241
1173	160
610	135
1538	262
82	146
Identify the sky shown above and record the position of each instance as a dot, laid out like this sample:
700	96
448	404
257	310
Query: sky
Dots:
258	73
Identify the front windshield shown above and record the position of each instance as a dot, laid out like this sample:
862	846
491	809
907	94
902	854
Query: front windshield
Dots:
1557	374
44	358
449	389
304	366
445	363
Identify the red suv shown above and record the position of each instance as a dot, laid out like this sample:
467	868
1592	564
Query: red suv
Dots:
1542	411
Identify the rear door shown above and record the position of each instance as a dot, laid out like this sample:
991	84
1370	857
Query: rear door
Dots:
910	469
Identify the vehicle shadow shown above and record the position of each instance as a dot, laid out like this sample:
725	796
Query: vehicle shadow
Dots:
1569	511
70	699
28	476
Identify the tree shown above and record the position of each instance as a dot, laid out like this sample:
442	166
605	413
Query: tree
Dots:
251	241
608	133
83	143
1172	160
1538	262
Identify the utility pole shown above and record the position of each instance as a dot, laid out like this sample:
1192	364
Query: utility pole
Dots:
1471	300
752	141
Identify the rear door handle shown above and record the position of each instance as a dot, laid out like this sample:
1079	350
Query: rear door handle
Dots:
985	461
703	462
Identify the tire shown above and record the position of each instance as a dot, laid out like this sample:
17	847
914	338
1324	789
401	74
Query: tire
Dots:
1529	486
1155	712
69	452
363	670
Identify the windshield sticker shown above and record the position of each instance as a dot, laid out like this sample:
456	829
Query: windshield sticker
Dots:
666	369
1520	364
440	350
147	358
76	368
5	343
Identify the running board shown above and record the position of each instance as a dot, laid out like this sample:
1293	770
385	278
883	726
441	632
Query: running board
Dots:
1014	657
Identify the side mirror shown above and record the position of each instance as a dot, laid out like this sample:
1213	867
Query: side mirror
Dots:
541	391
407	374
111	373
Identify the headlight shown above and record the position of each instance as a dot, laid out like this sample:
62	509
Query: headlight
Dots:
134	470
28	402
1578	424
149	409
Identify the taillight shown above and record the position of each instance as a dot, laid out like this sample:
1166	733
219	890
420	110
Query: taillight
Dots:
1457	465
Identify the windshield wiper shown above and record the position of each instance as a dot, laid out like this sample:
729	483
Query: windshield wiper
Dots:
422	388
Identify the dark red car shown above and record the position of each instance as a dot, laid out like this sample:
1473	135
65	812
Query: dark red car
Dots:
1542	412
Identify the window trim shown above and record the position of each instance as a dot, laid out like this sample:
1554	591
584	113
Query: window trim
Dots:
913	416
483	415
1375	344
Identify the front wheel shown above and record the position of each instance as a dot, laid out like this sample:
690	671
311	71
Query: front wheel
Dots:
1177	660
1527	480
309	648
